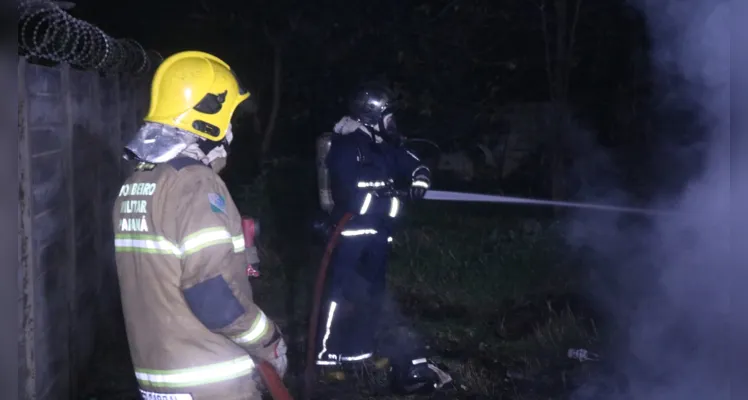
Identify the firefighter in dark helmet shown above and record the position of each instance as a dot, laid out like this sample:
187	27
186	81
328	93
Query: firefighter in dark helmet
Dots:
365	162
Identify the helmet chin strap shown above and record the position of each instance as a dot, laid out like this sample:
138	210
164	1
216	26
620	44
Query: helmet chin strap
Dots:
217	152
380	134
207	146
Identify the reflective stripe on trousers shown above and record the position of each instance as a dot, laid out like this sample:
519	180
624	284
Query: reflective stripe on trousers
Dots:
195	376
394	205
325	358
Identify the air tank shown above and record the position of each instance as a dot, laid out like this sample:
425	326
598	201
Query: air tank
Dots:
323	176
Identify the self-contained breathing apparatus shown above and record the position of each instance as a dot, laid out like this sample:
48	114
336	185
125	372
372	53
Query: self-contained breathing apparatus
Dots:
323	174
326	201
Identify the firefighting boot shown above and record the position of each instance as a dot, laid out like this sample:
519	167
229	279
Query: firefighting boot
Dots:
381	363
372	372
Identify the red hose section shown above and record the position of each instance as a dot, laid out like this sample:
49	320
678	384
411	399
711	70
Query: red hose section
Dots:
319	287
273	381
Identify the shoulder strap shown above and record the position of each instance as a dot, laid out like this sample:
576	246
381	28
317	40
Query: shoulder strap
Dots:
182	162
360	157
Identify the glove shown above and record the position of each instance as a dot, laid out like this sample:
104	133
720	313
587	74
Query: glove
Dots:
417	192
275	353
279	359
322	227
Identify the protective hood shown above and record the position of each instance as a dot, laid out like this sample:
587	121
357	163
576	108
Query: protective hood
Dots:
216	157
348	125
157	143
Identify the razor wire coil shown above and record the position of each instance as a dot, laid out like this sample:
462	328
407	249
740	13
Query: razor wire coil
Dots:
48	32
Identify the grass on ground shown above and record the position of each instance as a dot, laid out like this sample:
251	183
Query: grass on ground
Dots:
494	297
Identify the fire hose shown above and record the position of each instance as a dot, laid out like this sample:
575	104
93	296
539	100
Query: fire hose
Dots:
272	381
319	287
440	195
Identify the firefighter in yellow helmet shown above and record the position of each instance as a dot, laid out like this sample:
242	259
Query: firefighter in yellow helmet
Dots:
192	325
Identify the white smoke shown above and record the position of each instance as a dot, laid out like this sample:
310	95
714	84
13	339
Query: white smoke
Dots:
676	298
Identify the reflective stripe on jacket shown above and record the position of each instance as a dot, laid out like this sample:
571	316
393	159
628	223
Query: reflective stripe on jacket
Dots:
360	165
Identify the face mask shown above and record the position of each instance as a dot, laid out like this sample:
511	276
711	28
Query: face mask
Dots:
389	125
389	130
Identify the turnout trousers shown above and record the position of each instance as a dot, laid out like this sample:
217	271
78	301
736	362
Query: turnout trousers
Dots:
352	300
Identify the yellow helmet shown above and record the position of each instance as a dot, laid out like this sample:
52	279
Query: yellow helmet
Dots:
196	92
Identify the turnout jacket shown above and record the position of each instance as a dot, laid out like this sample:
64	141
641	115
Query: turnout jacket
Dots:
360	166
190	318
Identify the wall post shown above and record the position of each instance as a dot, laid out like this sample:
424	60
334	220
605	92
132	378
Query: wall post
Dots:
69	168
26	253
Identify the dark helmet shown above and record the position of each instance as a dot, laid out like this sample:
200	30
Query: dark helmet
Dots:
371	103
419	377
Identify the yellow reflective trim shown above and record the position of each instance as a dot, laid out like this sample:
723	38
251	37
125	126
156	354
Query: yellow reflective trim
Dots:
140	243
205	238
238	242
154	244
256	332
195	376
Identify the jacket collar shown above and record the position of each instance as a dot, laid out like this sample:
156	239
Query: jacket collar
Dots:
348	125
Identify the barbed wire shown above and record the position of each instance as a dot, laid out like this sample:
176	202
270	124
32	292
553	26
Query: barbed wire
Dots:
46	31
